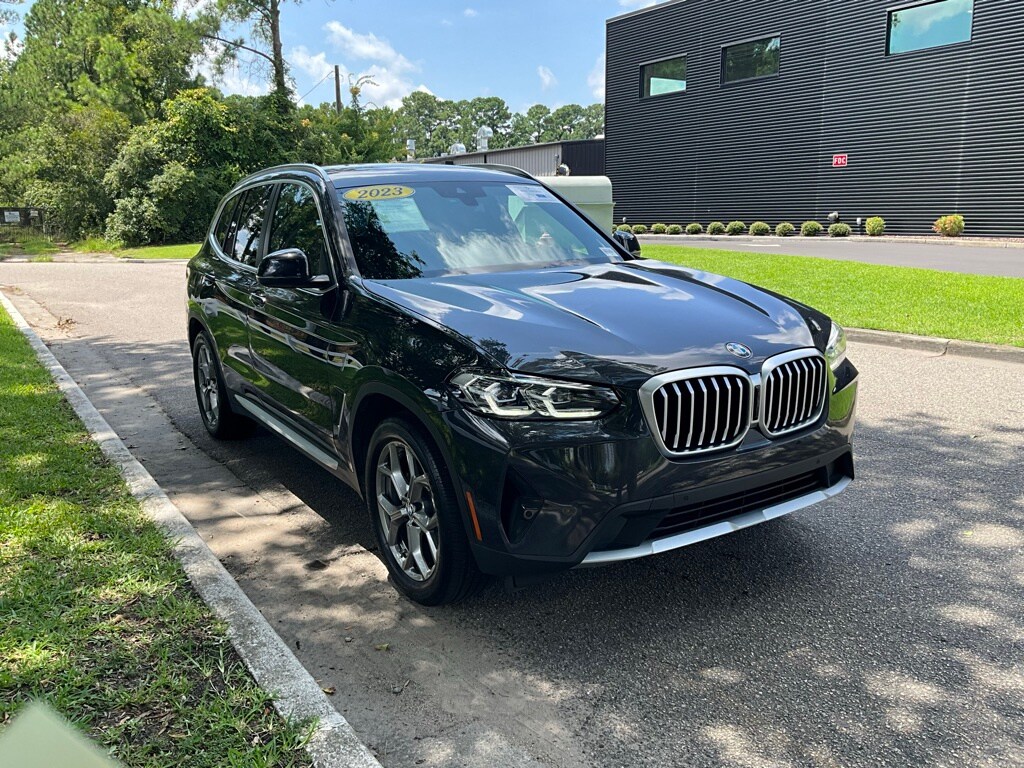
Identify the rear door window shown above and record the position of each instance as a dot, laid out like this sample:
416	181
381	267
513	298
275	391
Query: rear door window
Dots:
225	225
296	224
248	225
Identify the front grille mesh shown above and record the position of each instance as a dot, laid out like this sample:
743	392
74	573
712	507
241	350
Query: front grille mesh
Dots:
703	413
794	393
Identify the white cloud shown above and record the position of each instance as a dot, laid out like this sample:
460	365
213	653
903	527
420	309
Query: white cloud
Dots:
391	73
547	78
367	47
470	13
316	66
191	8
234	80
242	78
387	88
921	23
446	23
596	78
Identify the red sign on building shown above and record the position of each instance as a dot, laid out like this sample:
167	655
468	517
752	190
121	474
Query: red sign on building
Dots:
840	161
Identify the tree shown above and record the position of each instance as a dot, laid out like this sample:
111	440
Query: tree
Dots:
574	122
264	20
127	55
63	160
6	14
529	127
489	111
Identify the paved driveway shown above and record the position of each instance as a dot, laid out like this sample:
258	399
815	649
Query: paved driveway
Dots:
884	628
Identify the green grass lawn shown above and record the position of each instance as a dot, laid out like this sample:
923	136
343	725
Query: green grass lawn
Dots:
99	245
919	301
96	616
186	251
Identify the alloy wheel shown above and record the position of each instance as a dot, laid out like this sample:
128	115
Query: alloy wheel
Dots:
405	505
207	385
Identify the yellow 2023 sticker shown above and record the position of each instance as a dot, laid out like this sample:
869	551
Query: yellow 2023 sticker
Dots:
379	192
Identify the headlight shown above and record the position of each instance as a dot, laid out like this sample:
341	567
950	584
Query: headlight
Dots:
835	352
526	397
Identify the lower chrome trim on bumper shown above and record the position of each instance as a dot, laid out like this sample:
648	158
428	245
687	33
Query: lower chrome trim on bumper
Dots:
721	528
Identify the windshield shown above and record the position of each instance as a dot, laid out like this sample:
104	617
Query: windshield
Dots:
459	227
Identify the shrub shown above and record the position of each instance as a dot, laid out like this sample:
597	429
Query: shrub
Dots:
875	226
659	229
950	226
716	228
639	229
694	229
785	229
760	229
675	229
623	228
839	230
735	228
810	229
135	221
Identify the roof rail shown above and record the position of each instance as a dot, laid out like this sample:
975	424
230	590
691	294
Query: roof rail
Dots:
313	167
511	169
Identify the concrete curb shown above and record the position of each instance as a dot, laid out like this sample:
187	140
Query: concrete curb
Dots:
295	693
775	240
955	347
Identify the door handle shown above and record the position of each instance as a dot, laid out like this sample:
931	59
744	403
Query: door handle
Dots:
258	299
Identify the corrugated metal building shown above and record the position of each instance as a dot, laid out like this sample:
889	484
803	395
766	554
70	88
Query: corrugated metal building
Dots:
584	157
788	110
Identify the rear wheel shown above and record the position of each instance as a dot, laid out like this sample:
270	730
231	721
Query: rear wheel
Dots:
416	516
214	406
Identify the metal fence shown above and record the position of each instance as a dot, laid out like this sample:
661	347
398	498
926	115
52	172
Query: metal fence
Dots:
21	221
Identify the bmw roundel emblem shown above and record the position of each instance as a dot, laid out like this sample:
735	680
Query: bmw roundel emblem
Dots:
740	350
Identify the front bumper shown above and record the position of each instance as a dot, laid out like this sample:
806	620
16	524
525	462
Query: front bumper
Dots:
553	496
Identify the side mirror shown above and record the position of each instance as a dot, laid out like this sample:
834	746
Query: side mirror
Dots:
288	268
628	241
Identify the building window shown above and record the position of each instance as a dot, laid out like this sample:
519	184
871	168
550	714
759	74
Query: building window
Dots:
930	25
662	77
750	60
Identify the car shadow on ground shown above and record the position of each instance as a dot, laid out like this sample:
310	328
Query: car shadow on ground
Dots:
882	628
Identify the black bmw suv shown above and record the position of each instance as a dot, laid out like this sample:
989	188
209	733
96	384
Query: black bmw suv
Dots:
510	390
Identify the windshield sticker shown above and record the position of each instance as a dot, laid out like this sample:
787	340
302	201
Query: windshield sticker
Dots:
532	194
400	215
609	252
379	192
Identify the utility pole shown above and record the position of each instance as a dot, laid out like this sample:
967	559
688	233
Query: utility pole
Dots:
337	88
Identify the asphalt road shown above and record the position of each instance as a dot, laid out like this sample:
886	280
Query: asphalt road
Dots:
883	628
969	259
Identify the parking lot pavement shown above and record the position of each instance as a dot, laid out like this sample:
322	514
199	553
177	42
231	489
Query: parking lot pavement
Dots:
883	628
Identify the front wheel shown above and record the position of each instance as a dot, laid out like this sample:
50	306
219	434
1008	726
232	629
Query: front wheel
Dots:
416	517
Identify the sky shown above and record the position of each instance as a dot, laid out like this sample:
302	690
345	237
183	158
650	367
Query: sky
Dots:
527	52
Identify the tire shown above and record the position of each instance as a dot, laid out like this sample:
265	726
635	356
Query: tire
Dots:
428	554
212	396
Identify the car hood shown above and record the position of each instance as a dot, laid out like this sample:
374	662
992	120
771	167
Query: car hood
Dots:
611	323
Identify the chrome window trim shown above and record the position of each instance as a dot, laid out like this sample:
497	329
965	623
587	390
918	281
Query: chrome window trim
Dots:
216	220
211	234
770	365
655	383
